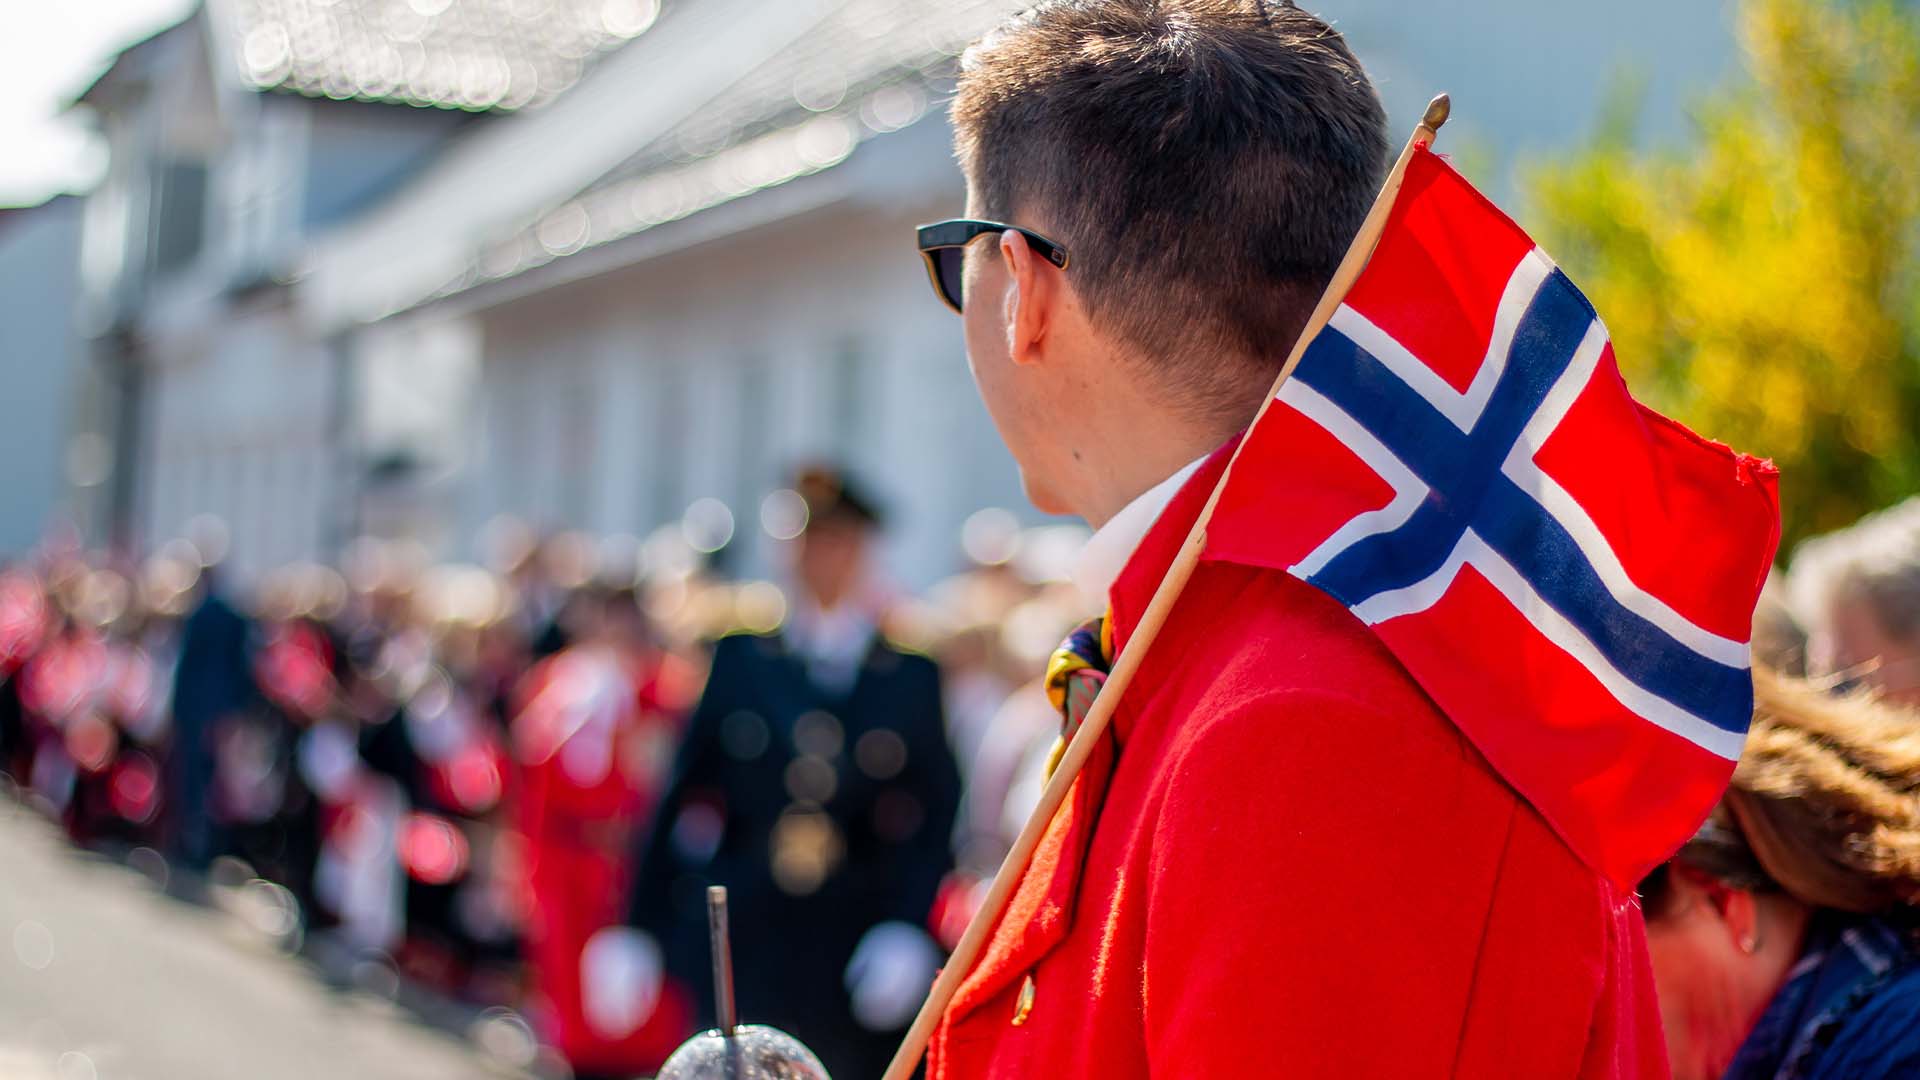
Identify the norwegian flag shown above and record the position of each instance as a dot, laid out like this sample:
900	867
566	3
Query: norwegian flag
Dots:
1569	575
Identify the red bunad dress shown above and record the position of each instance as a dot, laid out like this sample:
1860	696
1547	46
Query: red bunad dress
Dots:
24	616
592	742
61	689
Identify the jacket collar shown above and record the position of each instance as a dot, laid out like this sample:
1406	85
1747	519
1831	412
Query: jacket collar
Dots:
1107	553
1133	588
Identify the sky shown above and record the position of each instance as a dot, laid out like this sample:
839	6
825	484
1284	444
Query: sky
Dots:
50	50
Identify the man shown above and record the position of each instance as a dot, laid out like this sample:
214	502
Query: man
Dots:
1282	860
816	783
212	684
1858	590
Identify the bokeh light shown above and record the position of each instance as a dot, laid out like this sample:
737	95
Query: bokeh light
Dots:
783	514
707	525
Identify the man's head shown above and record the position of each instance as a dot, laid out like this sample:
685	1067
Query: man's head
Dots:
830	560
1204	163
1858	591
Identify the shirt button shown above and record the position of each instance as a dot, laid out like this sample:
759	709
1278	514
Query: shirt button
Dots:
1025	1004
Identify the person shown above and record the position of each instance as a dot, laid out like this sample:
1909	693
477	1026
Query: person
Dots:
212	684
1281	859
269	814
59	688
1783	934
24	618
592	738
1779	638
1857	590
816	783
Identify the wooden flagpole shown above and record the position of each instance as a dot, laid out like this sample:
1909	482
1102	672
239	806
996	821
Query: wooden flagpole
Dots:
1014	866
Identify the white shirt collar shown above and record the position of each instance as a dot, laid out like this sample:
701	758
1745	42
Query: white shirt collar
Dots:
833	643
1108	550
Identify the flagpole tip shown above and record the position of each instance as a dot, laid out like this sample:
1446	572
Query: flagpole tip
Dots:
1438	110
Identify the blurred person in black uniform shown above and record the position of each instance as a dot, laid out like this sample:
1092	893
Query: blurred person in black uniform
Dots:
275	814
212	683
816	783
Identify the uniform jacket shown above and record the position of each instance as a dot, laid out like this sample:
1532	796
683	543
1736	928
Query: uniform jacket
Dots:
1285	862
824	812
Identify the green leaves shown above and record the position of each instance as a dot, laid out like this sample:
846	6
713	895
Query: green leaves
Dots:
1761	283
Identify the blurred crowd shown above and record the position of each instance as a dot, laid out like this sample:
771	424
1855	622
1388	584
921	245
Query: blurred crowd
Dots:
512	782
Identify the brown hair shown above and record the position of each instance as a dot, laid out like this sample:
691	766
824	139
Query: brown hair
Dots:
1825	803
1205	162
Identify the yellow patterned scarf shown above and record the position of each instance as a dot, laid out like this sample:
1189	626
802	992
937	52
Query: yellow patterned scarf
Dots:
1075	675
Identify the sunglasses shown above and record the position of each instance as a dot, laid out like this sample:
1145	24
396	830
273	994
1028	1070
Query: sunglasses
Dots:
944	246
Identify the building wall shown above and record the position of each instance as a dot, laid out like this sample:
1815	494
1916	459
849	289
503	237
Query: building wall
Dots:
615	403
360	152
213	192
40	351
237	425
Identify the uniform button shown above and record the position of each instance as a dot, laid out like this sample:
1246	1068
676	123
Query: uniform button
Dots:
818	733
1025	1003
806	849
880	753
810	779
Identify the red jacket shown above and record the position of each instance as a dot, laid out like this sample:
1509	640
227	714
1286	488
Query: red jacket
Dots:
1287	863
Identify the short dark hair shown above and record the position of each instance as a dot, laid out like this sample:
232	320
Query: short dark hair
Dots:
1205	163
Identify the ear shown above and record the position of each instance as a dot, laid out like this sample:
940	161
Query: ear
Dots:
1741	910
1031	298
1737	909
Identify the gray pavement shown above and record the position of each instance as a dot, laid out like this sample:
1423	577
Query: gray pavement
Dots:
103	977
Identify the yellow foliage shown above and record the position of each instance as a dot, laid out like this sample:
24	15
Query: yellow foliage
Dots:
1761	284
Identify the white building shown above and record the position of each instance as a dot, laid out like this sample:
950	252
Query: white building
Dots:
236	138
40	365
733	291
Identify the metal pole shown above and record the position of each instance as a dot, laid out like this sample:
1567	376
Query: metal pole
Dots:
722	959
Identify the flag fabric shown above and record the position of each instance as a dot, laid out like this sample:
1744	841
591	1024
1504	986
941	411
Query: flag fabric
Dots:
1569	575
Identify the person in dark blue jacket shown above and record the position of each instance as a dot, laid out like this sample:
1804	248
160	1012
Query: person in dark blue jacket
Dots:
213	682
1784	936
816	782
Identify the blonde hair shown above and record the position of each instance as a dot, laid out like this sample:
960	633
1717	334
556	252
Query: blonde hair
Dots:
1825	800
